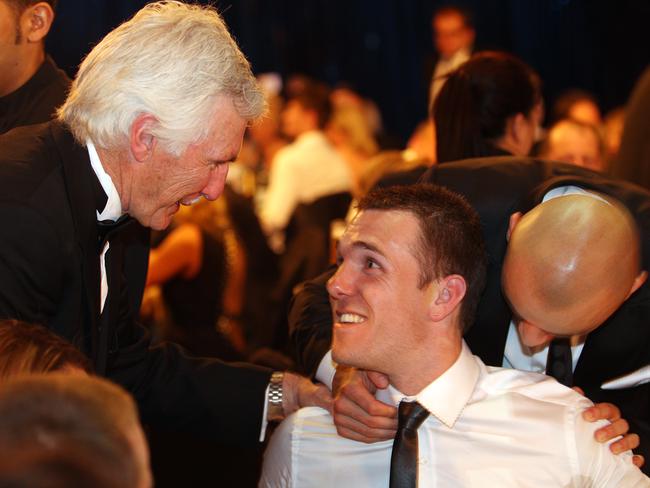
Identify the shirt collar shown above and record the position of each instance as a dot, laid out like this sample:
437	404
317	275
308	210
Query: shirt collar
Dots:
309	136
113	209
446	397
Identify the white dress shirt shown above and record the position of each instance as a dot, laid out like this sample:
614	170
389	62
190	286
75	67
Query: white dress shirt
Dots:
301	172
443	68
489	427
112	211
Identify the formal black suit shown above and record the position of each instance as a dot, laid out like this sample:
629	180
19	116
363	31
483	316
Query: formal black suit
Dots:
49	273
36	101
498	187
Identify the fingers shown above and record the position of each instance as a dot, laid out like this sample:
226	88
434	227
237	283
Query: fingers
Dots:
579	390
615	429
363	434
602	411
354	422
380	380
354	398
630	441
359	416
638	460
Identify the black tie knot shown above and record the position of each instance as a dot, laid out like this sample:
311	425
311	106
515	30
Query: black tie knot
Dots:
106	228
559	363
411	415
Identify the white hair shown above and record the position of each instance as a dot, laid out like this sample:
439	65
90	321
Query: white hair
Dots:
171	60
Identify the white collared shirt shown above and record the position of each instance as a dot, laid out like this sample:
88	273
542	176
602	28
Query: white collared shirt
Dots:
301	172
443	68
112	211
489	427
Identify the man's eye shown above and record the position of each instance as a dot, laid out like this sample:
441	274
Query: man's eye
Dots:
372	264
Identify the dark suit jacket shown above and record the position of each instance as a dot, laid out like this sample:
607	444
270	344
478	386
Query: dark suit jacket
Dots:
49	273
498	187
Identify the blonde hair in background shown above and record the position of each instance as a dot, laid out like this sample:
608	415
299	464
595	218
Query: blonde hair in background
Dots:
351	122
171	60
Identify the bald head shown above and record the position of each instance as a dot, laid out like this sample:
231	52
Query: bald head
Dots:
571	262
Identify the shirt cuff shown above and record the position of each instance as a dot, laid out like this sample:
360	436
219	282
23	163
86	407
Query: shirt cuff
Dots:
265	414
326	370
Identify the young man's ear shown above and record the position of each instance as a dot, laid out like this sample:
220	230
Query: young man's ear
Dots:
447	295
36	20
142	141
514	220
638	281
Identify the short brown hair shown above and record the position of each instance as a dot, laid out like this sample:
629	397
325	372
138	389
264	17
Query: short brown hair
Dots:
315	96
58	411
30	348
450	241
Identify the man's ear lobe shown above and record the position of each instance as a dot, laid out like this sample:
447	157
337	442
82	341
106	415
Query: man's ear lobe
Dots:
514	220
449	293
37	21
141	138
638	281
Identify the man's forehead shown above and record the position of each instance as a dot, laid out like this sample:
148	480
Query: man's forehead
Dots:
381	228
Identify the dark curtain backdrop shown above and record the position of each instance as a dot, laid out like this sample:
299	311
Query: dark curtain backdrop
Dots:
381	47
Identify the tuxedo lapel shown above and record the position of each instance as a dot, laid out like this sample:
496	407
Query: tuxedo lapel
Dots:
78	176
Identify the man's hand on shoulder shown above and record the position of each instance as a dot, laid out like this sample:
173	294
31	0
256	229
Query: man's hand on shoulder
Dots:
299	391
357	414
618	427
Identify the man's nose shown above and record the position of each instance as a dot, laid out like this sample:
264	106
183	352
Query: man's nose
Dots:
533	336
217	181
340	283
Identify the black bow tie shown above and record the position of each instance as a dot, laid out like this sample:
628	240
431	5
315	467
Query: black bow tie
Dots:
106	228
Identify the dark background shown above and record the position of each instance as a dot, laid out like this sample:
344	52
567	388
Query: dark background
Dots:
380	47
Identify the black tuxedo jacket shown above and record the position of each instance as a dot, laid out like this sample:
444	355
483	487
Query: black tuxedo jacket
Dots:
498	187
49	274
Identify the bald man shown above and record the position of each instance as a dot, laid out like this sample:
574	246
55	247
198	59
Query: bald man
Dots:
608	364
571	262
575	142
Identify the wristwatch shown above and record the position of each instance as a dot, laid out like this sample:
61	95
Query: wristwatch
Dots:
275	410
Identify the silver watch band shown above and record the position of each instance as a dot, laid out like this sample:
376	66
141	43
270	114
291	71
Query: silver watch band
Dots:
275	409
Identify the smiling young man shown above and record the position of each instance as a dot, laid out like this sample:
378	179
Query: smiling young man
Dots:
411	271
155	114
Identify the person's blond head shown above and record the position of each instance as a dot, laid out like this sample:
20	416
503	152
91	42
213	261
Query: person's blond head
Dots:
171	60
31	348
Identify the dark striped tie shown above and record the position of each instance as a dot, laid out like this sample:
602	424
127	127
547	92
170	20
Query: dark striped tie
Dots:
404	459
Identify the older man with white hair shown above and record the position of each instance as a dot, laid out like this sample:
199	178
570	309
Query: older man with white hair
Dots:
156	112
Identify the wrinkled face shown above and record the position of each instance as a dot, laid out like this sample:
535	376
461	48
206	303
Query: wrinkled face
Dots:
379	312
450	34
576	146
537	323
164	182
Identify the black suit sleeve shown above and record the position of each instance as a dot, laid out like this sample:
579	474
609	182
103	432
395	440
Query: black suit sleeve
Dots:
39	282
174	390
310	323
31	265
